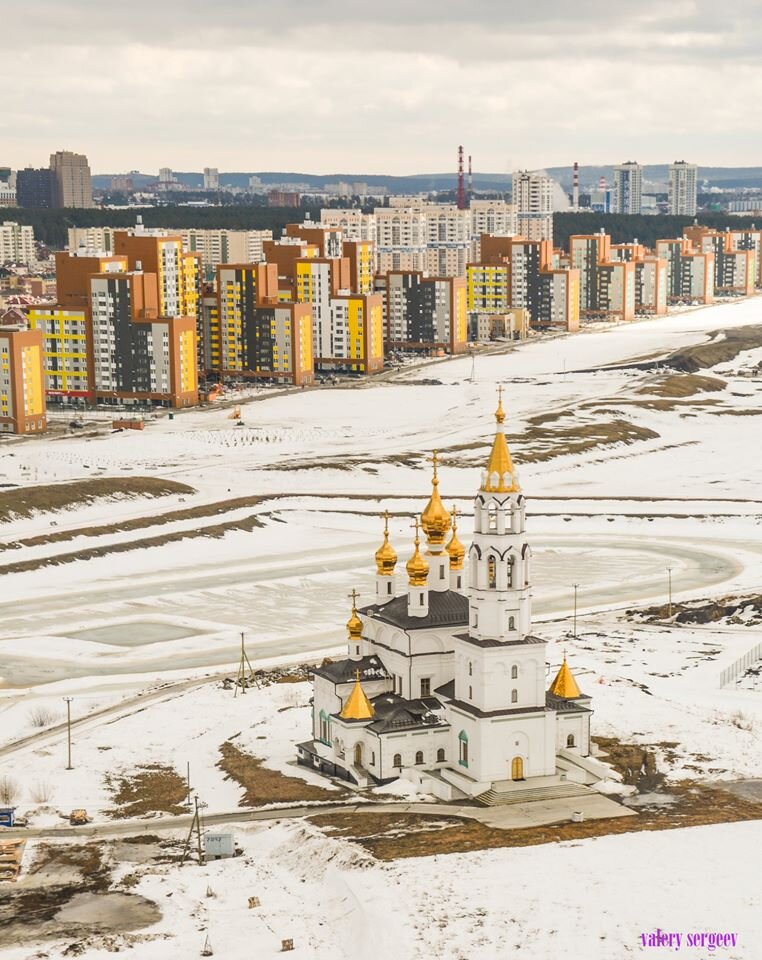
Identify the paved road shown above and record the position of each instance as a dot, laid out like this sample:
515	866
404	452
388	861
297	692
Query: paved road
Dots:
511	817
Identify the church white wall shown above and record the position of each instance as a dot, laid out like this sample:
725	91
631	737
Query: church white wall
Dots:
494	742
577	726
484	676
408	744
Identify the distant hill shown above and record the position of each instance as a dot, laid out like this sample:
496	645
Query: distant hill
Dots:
728	177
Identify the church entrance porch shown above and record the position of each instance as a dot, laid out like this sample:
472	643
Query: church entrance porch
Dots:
517	768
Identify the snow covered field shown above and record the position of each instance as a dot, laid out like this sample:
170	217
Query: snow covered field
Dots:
591	898
610	515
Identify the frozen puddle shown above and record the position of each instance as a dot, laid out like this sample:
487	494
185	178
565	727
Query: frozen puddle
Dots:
136	633
111	911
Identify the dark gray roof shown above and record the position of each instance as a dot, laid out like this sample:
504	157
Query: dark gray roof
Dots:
345	671
476	712
446	609
446	690
393	713
564	705
497	643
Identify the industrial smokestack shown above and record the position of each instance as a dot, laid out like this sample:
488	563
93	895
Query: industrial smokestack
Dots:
461	181
470	180
575	187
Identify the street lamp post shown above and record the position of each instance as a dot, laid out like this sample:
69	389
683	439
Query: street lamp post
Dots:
576	587
68	730
669	602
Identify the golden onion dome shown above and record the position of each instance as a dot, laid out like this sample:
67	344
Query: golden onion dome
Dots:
354	624
500	475
417	567
455	548
435	519
386	557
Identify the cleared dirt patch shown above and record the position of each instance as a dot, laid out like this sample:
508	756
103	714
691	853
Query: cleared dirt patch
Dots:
263	785
683	385
150	789
724	346
27	501
745	610
390	836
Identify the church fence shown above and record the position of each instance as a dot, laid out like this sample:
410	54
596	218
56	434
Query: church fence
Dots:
737	669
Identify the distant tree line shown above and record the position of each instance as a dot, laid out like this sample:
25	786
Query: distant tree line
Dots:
644	228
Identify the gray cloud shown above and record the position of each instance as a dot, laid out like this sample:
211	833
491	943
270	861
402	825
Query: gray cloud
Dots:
330	84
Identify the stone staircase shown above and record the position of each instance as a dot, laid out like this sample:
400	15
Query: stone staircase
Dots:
556	791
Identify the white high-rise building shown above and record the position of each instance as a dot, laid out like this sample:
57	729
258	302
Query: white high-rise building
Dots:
211	178
682	188
628	188
533	200
16	243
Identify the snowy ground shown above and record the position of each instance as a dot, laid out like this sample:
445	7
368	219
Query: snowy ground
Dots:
611	518
591	898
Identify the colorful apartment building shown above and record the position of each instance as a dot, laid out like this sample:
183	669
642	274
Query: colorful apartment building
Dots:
690	274
426	313
22	390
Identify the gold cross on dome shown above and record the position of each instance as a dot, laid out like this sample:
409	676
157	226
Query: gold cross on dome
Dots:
454	514
415	524
357	675
354	595
436	461
500	393
385	515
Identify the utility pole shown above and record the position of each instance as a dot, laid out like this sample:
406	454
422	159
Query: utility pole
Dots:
243	666
195	826
574	632
68	730
669	603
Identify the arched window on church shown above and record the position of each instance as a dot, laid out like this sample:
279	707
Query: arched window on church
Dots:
440	755
492	573
470	668
570	740
514	672
397	762
492	517
373	758
511	623
514	696
463	748
510	571
419	756
323	727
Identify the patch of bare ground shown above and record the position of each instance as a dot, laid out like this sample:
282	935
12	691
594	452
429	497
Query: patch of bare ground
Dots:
683	385
27	501
746	610
540	443
58	873
724	346
262	785
136	523
148	789
391	836
216	531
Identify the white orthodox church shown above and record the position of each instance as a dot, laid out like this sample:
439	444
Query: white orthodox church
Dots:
445	683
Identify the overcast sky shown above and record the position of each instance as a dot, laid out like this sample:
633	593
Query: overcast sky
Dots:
388	87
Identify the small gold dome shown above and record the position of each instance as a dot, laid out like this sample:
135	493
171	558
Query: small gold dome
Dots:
565	685
354	626
455	548
435	519
386	557
357	707
417	567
